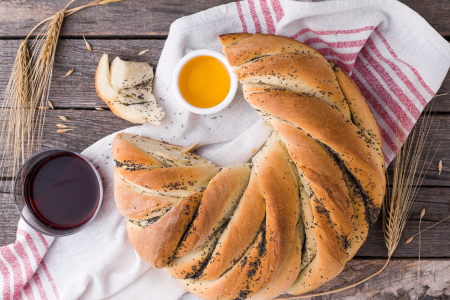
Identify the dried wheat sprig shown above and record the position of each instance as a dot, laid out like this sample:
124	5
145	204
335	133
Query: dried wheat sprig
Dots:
420	244
409	240
26	94
41	71
88	46
68	73
64	118
408	176
15	132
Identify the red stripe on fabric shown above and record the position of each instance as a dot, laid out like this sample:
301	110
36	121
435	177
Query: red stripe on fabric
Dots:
384	96
276	6
31	244
25	259
37	259
391	84
6	280
251	5
381	112
332	32
28	291
43	240
241	16
50	279
397	71
267	16
347	44
342	56
40	286
392	52
15	266
18	296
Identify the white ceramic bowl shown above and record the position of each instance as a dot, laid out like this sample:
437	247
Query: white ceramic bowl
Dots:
221	105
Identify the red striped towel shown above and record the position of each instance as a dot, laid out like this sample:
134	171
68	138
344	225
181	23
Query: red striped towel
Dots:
395	57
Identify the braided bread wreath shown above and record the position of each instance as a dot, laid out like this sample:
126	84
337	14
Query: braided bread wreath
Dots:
288	221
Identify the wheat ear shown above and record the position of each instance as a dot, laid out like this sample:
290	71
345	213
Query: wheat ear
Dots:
27	90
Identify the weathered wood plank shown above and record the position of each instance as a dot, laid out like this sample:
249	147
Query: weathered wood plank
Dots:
399	280
78	90
93	125
144	18
147	18
9	217
434	242
90	126
437	145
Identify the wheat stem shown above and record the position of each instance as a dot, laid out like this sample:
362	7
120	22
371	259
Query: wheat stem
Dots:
341	289
420	232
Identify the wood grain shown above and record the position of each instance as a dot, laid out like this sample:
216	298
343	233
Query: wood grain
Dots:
399	280
144	17
78	90
148	17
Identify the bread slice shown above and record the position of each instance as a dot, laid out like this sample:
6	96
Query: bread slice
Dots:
126	89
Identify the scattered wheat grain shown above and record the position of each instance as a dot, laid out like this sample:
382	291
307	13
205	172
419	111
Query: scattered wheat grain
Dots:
143	51
104	2
440	167
87	44
64	130
64	118
68	73
63	126
50	104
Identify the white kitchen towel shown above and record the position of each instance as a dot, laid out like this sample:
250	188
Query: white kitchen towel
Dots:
393	54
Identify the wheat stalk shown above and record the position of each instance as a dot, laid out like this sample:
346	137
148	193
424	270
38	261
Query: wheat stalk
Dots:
26	94
400	199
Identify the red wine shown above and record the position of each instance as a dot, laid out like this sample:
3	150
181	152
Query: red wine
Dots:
62	190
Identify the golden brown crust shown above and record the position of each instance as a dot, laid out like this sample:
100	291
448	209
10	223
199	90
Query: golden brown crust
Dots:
219	200
362	116
127	153
323	176
264	260
240	48
331	128
315	188
240	232
135	204
228	40
297	72
157	243
287	274
278	181
176	181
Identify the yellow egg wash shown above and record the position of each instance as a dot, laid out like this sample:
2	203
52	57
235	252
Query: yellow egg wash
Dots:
204	81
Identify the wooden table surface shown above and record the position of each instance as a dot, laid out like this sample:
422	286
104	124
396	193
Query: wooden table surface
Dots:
128	27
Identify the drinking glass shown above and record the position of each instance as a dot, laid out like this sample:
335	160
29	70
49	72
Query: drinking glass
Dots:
23	206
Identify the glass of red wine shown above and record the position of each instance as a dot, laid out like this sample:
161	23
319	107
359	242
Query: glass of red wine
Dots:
58	192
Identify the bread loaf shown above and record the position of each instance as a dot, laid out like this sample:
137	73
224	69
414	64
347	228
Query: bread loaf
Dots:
126	88
286	222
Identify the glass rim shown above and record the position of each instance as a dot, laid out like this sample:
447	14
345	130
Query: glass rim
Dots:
77	228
